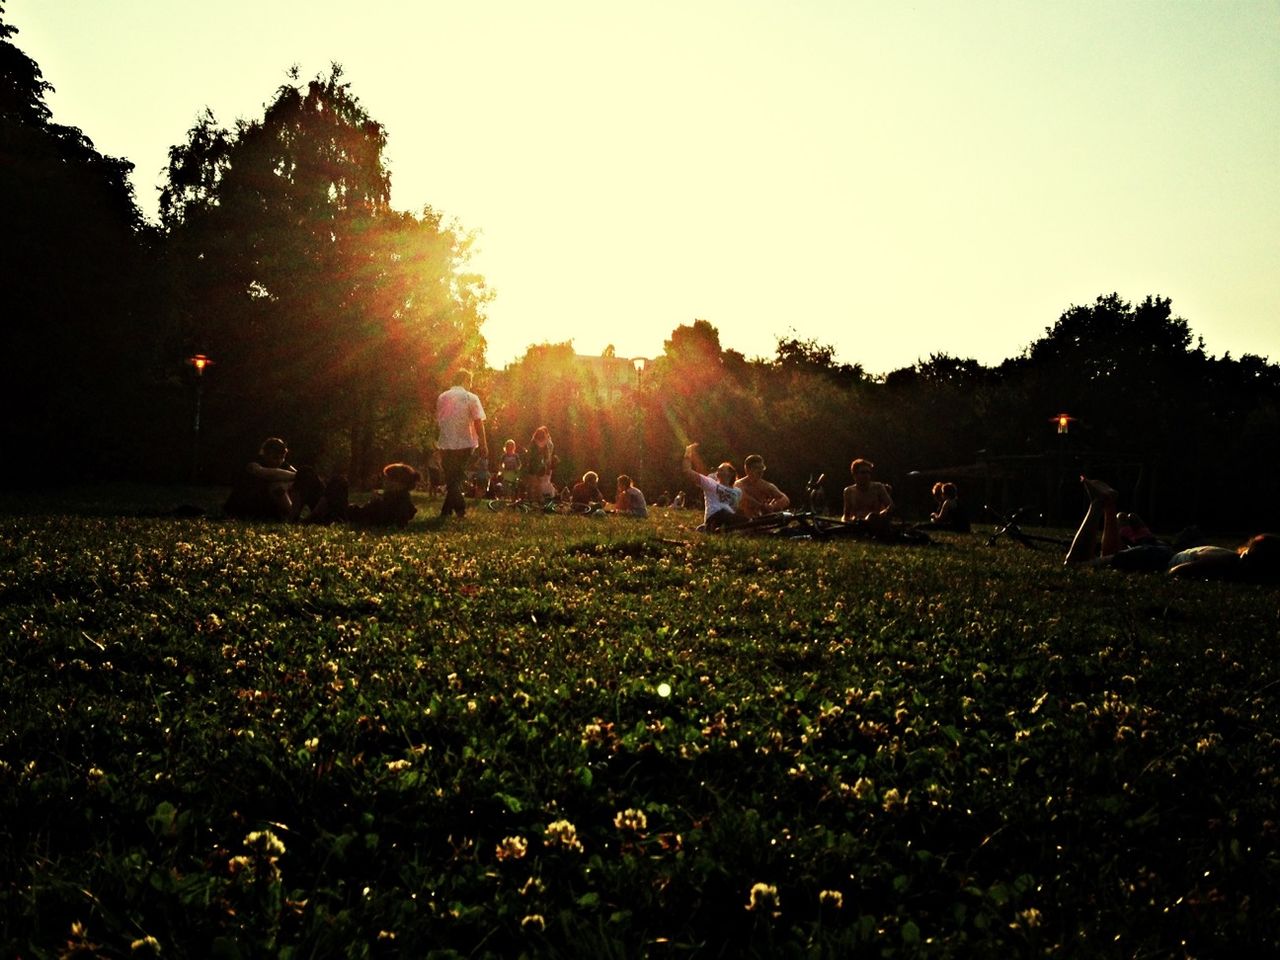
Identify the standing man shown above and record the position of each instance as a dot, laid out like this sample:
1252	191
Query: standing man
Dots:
461	421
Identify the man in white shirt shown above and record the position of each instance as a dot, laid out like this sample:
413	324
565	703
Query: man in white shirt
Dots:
460	418
720	497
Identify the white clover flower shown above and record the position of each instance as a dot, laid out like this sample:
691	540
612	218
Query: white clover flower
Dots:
764	899
512	848
264	842
630	819
562	833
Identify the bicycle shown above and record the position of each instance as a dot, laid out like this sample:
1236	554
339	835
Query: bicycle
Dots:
1010	527
521	505
816	495
549	506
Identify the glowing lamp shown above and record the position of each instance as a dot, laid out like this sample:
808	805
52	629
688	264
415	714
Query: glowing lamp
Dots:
199	361
1063	421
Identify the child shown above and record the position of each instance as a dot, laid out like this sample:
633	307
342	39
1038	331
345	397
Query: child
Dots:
509	466
394	506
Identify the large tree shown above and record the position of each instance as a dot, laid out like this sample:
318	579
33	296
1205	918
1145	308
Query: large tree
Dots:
332	317
76	328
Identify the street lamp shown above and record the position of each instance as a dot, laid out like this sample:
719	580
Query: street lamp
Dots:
1063	421
199	361
639	363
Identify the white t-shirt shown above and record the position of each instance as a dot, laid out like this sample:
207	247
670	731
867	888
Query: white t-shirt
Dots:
456	409
716	496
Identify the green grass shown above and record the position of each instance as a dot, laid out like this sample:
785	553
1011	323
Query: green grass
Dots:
276	741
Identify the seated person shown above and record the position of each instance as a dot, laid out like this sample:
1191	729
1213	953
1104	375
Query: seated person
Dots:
866	500
759	496
587	490
262	491
720	497
630	500
392	507
951	513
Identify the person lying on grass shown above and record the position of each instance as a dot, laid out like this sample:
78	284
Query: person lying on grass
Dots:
720	496
1098	542
866	500
759	496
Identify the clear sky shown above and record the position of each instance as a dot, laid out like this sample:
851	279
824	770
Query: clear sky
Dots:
893	178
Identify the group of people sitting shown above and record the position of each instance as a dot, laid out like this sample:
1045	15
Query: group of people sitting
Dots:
271	489
731	500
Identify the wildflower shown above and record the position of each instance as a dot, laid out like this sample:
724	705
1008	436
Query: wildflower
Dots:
861	789
95	774
238	863
893	800
633	820
311	743
533	922
264	841
562	833
764	899
395	766
671	842
831	898
149	944
511	848
1026	918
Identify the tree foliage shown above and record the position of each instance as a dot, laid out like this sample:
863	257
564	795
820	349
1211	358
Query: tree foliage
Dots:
75	341
332	315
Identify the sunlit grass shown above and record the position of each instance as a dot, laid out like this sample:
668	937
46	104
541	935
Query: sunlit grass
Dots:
593	736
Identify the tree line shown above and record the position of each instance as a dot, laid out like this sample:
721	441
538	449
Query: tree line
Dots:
331	319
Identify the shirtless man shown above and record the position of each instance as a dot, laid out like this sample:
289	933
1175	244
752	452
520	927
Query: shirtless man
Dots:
865	499
759	496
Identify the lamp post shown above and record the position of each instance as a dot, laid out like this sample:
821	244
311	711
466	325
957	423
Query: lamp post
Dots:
639	363
1062	422
199	361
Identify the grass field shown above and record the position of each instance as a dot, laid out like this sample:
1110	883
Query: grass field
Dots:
588	737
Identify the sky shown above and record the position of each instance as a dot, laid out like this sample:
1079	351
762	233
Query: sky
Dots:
894	179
